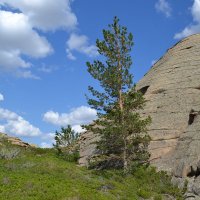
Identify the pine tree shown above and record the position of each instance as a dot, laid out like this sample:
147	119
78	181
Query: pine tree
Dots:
121	129
66	143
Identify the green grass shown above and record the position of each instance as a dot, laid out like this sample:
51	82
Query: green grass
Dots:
38	174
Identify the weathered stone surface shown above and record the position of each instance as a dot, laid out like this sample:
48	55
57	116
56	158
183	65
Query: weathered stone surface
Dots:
191	196
196	186
173	94
172	90
87	147
14	140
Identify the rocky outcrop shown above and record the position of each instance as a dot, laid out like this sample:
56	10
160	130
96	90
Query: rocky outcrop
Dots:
13	140
172	91
87	147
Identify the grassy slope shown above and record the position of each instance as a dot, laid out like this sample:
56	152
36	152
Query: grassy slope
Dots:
38	174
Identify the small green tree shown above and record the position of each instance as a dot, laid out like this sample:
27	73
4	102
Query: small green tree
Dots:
66	143
122	130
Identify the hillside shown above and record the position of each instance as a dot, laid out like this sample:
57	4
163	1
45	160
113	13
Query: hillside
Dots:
34	173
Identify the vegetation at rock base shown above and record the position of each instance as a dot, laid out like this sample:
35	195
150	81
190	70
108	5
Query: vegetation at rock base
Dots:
122	131
8	151
66	143
39	174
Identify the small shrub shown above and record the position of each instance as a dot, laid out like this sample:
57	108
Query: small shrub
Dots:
185	186
66	144
70	156
158	197
6	181
144	193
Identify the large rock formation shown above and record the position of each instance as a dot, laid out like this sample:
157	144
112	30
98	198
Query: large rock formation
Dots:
172	91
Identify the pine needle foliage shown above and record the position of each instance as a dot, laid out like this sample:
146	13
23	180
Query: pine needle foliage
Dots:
119	124
66	143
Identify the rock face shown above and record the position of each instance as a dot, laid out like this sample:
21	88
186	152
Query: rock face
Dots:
172	91
14	140
87	147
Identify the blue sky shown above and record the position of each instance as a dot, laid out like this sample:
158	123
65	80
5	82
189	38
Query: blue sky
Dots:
44	45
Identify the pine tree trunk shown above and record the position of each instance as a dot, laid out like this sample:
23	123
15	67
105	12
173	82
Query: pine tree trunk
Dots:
121	106
125	156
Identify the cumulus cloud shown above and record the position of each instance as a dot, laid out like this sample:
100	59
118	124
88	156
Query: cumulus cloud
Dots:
14	124
21	21
192	28
15	31
78	116
80	43
16	28
46	14
164	7
45	145
1	97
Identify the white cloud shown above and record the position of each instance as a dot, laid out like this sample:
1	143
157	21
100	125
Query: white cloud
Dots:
26	74
192	28
16	28
14	124
15	31
70	55
10	60
1	97
2	129
45	145
80	44
46	14
163	7
45	69
78	116
48	136
78	129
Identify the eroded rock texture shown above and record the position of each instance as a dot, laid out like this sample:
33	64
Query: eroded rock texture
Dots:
172	91
13	140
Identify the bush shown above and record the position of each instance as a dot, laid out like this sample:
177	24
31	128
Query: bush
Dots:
70	156
144	193
158	197
66	144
